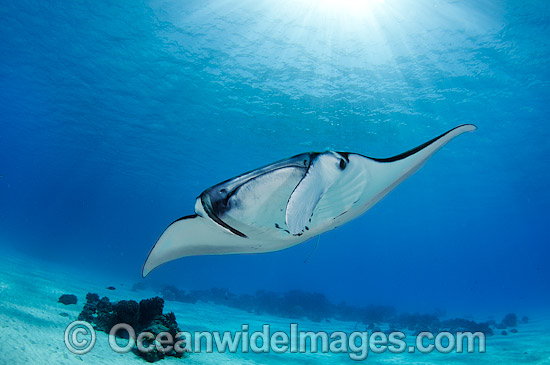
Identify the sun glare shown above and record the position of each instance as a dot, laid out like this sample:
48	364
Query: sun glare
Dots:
349	7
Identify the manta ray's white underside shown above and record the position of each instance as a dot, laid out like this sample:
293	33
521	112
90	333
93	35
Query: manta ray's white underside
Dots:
288	202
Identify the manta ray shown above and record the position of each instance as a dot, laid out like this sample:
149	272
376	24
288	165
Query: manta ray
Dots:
288	202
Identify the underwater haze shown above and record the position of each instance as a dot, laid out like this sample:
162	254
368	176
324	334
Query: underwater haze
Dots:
116	115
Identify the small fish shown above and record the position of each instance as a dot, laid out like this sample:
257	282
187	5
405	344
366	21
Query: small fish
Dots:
110	288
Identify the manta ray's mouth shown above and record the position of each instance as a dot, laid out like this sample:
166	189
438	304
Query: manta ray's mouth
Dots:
214	205
215	199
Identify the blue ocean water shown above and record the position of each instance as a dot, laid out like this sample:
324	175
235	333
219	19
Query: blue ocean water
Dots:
115	116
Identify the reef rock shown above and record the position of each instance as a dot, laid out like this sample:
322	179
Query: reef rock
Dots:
68	299
145	316
465	325
510	320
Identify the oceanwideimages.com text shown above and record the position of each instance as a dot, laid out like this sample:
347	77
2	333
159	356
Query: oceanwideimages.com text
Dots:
80	338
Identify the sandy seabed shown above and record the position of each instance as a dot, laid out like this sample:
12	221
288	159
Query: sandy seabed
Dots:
32	327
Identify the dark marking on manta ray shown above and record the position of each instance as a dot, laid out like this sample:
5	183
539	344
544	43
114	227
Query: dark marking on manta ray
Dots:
307	228
343	164
279	227
186	217
344	155
313	155
341	214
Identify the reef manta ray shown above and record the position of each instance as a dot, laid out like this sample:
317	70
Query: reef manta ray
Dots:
288	202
